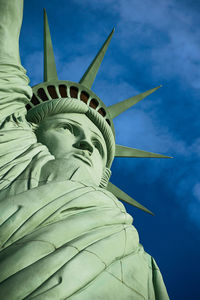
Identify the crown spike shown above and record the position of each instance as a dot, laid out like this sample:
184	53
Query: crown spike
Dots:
121	151
125	197
89	76
50	72
120	107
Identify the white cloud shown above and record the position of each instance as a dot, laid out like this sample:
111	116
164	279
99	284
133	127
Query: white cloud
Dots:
147	22
196	192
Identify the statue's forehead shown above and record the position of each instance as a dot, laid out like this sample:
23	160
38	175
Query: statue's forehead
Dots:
77	117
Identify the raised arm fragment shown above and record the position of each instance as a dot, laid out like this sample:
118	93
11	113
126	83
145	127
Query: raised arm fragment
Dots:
14	89
11	12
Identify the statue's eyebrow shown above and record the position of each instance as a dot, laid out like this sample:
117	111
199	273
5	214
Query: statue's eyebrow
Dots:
73	121
66	120
76	122
97	134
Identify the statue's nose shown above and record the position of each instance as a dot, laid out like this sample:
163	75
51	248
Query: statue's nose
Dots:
84	145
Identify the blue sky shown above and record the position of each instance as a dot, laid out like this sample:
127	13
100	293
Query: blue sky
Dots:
155	42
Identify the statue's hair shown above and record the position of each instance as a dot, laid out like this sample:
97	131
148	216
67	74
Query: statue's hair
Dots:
70	105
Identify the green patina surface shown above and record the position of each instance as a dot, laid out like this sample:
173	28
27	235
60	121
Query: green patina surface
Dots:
63	235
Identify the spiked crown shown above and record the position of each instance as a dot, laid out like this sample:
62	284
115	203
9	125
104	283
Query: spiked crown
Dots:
53	91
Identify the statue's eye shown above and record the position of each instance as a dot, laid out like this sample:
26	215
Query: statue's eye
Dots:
98	146
68	126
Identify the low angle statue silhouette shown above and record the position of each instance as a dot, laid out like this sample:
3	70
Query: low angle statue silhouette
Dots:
64	234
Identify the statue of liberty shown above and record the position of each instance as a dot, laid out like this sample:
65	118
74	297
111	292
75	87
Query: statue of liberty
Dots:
63	232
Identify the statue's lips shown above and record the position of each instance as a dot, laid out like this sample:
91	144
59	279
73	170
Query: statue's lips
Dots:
83	157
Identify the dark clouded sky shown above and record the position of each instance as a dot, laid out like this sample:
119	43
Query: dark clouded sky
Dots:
155	42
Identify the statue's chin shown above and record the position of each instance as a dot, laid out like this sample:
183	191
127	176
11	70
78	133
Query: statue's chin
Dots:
71	168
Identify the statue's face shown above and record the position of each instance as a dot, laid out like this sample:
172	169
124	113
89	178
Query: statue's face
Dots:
73	137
